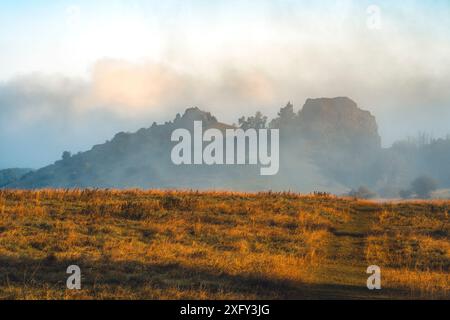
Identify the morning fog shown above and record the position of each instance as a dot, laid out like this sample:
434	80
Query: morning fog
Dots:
242	147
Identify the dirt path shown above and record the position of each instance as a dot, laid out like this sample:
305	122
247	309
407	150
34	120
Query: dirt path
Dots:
343	275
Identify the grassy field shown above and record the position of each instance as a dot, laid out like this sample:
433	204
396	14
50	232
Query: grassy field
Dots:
191	245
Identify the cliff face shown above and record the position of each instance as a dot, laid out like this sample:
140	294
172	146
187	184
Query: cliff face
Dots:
339	122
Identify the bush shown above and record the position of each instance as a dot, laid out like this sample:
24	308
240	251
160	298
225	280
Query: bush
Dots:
424	186
66	155
406	194
362	193
171	202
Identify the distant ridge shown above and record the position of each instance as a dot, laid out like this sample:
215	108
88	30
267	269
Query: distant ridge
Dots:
142	159
329	145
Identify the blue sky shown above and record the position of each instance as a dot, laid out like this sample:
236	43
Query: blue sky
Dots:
67	67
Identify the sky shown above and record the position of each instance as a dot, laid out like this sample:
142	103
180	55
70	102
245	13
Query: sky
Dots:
74	73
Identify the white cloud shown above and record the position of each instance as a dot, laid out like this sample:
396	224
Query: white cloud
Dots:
230	60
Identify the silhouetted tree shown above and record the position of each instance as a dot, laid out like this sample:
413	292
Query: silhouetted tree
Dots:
424	186
362	193
66	155
286	116
406	194
258	121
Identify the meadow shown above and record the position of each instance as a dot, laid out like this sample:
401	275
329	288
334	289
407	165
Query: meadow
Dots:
135	244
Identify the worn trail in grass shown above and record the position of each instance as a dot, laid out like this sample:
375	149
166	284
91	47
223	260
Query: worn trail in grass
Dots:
135	244
346	263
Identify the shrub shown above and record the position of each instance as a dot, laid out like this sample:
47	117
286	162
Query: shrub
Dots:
424	186
362	193
405	194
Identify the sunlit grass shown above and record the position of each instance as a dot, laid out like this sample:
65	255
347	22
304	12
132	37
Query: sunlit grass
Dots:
136	244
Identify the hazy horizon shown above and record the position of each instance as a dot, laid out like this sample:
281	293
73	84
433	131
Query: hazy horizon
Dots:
74	73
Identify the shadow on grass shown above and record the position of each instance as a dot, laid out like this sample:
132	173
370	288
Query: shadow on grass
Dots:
135	276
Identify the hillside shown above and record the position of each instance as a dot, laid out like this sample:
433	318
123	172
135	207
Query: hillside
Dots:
191	245
325	133
9	176
329	145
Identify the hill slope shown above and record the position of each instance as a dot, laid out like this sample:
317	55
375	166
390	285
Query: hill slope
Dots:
324	134
9	176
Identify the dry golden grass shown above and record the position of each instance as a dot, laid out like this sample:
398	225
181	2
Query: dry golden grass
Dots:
136	244
412	241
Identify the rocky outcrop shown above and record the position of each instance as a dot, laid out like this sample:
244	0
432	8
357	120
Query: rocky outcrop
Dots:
339	122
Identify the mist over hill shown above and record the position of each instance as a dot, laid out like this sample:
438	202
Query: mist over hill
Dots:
329	145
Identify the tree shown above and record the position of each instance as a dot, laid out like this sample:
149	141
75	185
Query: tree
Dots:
286	116
405	194
258	121
424	186
362	193
66	155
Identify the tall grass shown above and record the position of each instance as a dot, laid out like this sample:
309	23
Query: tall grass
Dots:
221	245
